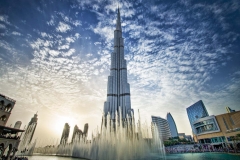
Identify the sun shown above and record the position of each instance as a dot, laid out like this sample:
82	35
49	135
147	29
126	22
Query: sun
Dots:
59	122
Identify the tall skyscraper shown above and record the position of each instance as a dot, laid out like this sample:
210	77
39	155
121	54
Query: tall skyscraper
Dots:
172	125
78	134
65	134
118	89
162	126
28	135
196	111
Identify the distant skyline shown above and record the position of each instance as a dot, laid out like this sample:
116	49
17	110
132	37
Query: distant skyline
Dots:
55	59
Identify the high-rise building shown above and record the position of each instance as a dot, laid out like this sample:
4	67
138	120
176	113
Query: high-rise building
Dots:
78	134
172	125
65	134
162	127
29	132
196	111
229	110
85	130
26	144
118	88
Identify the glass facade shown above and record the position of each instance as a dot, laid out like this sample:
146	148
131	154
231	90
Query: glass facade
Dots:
172	125
205	126
196	111
213	140
162	126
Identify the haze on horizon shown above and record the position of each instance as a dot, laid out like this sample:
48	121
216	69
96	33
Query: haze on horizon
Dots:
55	59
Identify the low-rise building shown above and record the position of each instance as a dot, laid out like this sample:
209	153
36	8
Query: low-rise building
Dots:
189	138
181	135
9	137
217	130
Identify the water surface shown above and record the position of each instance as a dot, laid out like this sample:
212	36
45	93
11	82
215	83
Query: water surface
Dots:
183	156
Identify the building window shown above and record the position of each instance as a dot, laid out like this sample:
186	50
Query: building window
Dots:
3	118
225	124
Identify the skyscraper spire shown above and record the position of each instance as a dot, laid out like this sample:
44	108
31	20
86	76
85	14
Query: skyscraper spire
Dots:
118	24
118	89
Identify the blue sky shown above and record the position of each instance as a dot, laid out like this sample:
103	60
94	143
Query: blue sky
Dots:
55	58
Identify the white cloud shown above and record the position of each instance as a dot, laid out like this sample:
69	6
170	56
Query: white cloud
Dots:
16	33
63	47
54	53
69	52
4	18
70	39
77	35
2	26
76	23
63	27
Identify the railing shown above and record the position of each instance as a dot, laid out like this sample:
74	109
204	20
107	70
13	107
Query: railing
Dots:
7	137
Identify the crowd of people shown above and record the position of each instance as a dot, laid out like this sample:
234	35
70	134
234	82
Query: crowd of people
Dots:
197	149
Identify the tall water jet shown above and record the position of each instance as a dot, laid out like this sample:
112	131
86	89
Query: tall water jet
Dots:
121	143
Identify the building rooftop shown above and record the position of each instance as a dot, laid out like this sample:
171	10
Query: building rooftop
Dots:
8	98
231	113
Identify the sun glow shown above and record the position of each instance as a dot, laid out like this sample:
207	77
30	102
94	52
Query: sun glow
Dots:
59	122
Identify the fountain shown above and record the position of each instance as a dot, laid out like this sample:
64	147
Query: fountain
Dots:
119	141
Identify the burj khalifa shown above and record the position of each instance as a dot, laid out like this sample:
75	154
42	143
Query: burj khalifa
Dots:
118	88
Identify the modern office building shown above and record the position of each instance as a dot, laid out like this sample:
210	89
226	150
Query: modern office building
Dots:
162	126
195	112
118	88
229	110
9	137
172	125
218	130
65	134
